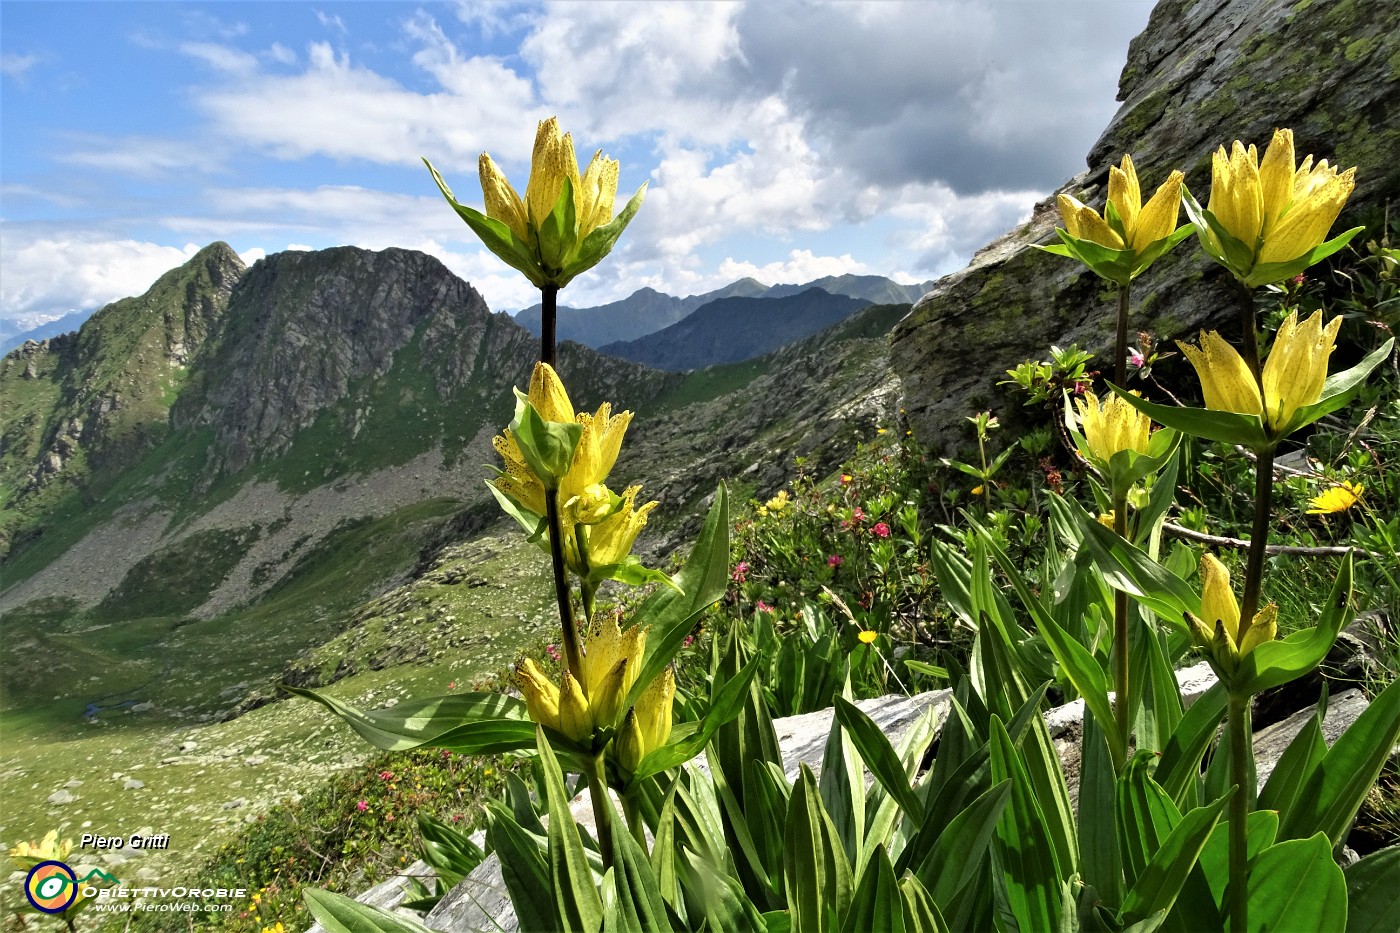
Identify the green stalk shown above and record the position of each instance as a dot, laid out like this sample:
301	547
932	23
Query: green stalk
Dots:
1237	893
573	648
633	814
602	812
1120	350
1249	334
1258	540
1123	706
549	298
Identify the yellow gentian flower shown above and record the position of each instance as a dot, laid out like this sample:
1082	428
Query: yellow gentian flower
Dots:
611	540
1112	425
778	502
541	695
1219	631
1140	232
525	232
49	849
1293	375
1279	213
594	457
1336	499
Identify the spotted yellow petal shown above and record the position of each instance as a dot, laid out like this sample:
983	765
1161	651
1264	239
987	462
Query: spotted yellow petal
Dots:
1226	382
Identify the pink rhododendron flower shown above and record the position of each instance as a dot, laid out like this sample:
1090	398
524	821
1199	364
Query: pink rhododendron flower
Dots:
835	560
362	806
881	530
741	571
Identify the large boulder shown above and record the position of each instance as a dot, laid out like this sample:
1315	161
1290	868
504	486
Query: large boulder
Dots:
1202	74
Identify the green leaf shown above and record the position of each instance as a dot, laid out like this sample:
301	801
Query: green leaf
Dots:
671	611
876	905
1158	248
816	875
1179	769
1295	766
1084	671
637	906
1201	905
547	446
720	898
959	852
417	722
1338	389
1100	862
1163	877
1296	885
1329	800
1278	662
879	756
843	786
1266	273
523	869
1373	892
575	894
536	526
1146	816
921	914
1129	569
496	236
449	852
1227	427
1025	870
340	914
601	241
558	234
631	572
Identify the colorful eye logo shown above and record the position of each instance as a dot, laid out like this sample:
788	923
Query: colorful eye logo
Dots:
51	887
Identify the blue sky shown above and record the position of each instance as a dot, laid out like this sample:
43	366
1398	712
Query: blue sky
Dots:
780	140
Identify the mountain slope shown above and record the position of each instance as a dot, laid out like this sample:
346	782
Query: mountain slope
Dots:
735	329
642	312
82	408
64	325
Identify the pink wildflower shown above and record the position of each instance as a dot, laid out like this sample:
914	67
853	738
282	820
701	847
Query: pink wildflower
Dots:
362	806
1135	357
741	572
881	530
761	606
386	775
552	651
835	560
689	640
858	515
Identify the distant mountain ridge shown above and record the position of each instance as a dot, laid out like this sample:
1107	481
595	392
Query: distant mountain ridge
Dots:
647	310
9	340
735	329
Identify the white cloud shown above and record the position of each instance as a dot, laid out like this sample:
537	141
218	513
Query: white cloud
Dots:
331	21
141	156
221	57
49	276
800	266
13	65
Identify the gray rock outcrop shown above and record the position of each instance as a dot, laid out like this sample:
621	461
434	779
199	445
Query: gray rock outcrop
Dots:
1202	74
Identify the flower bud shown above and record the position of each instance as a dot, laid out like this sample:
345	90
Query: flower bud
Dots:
575	715
541	695
606	699
629	745
653	711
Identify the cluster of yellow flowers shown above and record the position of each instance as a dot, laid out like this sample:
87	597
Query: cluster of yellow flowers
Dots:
1219	631
598	527
1293	375
612	661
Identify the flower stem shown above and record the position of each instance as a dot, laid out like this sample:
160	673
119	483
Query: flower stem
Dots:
573	650
633	814
1237	725
1258	539
549	297
602	812
1249	334
1122	703
1120	349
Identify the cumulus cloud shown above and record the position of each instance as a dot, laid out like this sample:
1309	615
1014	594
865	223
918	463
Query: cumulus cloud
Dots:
47	277
16	66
